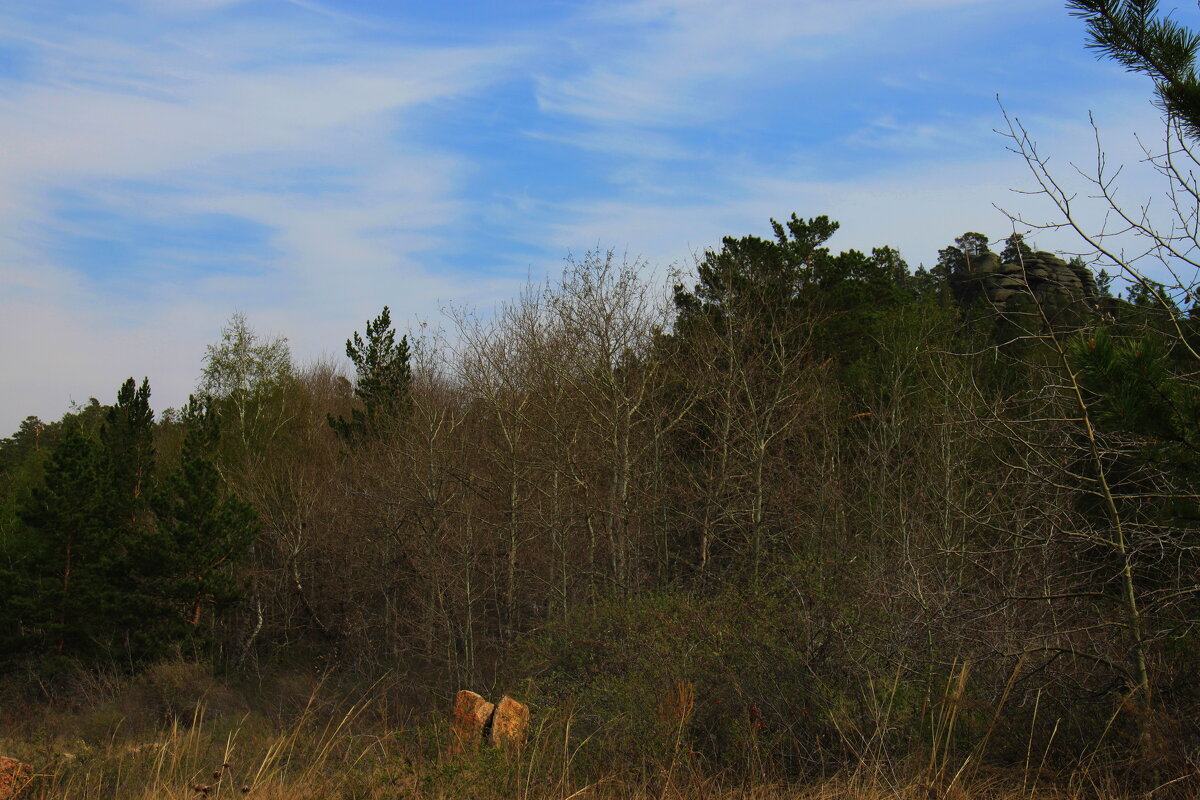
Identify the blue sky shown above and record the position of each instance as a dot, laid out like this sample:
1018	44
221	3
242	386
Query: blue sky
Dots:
165	163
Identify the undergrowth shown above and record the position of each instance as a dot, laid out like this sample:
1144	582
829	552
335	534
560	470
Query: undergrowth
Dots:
177	733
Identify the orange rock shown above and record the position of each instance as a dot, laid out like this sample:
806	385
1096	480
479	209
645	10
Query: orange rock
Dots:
510	724
14	776
471	715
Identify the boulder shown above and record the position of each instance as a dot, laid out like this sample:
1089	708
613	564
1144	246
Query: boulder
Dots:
1086	279
510	724
14	776
469	721
984	262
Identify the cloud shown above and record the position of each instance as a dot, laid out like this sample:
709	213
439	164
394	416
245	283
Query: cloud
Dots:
679	62
167	163
916	206
148	133
934	134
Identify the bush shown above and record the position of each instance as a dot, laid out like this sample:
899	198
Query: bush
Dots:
743	681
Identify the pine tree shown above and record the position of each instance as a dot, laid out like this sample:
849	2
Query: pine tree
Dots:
1132	33
127	438
59	596
957	258
202	528
383	381
1015	251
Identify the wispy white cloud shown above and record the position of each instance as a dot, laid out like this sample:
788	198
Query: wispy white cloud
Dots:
673	62
934	134
166	130
916	207
362	161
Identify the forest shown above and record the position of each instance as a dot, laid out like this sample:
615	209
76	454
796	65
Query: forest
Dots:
795	516
814	487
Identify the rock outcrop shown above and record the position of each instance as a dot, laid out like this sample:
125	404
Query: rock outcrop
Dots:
1039	275
510	724
474	719
14	776
469	721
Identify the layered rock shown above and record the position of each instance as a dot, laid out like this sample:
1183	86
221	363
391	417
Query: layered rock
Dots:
1039	275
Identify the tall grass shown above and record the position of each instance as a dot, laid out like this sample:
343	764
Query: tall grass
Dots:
337	744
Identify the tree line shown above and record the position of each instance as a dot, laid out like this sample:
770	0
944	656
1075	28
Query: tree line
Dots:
855	512
820	468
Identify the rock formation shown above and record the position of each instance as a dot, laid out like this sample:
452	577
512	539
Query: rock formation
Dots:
469	721
509	724
1039	275
14	775
473	719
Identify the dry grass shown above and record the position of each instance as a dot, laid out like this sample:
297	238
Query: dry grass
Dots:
353	748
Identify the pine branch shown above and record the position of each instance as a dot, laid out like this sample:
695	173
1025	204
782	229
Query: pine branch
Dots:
1132	33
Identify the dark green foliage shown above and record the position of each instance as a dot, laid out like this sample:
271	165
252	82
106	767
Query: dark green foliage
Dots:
84	528
855	292
22	457
757	287
1149	294
752	280
382	384
32	436
1015	251
1135	35
957	257
94	570
128	441
127	467
57	589
202	529
1137	387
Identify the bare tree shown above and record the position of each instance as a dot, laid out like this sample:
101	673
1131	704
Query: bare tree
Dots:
1110	428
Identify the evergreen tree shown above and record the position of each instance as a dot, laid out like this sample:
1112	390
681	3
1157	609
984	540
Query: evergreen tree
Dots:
760	286
751	279
59	593
202	529
106	565
1137	388
1132	33
32	436
957	258
126	459
1015	251
22	457
1149	295
383	381
127	437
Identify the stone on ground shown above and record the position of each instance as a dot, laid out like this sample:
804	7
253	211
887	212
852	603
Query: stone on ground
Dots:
510	724
14	775
470	717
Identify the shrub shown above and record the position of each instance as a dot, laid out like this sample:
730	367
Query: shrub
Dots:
740	680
